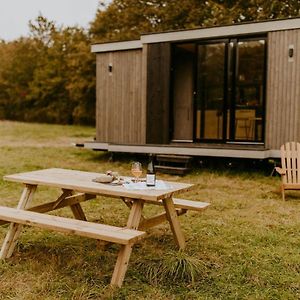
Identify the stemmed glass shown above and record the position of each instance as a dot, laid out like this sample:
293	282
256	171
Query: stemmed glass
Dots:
136	170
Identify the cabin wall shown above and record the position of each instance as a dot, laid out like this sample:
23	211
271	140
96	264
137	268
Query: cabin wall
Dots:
158	60
120	108
283	89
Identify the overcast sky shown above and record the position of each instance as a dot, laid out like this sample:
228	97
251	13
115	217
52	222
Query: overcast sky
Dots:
15	14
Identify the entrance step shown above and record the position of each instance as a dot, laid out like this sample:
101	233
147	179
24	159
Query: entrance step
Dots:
171	170
173	164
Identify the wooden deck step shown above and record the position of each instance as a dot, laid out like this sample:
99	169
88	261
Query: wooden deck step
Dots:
103	232
171	170
173	158
173	164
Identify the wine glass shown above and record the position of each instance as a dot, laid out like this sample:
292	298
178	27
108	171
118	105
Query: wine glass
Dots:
136	170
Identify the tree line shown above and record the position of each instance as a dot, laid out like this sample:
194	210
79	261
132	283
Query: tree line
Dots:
49	76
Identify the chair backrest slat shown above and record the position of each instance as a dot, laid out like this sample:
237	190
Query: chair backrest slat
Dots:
290	161
293	162
283	161
298	162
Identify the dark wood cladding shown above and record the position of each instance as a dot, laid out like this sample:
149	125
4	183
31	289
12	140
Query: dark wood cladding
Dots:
157	93
283	89
120	108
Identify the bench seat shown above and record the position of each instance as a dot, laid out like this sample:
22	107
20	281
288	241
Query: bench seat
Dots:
103	232
184	204
190	204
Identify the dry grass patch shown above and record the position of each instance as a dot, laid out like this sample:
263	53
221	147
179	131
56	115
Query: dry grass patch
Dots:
245	246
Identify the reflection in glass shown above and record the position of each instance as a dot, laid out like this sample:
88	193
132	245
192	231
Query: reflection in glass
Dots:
249	90
210	102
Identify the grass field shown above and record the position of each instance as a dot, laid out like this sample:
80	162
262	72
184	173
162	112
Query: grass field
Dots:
245	246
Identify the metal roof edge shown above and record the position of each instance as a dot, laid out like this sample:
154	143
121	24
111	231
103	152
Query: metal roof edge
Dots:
116	46
221	31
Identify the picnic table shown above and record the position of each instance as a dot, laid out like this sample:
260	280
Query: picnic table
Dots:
77	187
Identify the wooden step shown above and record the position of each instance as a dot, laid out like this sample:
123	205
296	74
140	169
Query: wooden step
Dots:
173	158
103	232
171	170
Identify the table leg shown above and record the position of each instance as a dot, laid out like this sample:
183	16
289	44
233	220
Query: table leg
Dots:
125	251
15	229
174	222
78	212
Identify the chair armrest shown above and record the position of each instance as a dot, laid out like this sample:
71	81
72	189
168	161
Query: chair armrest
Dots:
280	171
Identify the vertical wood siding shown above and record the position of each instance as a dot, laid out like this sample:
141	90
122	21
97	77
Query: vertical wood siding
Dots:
283	89
120	109
157	89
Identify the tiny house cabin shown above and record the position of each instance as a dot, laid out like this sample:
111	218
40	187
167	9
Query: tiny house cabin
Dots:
229	91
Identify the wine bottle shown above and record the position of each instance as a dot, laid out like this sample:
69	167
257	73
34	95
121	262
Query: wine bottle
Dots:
150	177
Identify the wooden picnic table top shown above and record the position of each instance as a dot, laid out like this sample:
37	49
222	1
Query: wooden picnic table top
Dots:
82	181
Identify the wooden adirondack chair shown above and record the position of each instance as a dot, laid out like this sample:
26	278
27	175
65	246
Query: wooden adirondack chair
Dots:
290	167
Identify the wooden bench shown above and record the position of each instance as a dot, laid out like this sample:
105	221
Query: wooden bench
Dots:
123	236
190	204
181	206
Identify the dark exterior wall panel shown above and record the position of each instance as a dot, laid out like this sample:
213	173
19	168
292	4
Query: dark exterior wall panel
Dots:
157	93
283	92
120	108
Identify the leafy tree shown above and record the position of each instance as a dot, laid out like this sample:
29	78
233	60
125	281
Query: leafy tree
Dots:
18	64
127	19
49	76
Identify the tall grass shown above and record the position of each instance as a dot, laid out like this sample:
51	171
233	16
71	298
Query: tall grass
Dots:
245	246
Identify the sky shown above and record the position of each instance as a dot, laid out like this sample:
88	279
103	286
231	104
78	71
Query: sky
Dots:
15	14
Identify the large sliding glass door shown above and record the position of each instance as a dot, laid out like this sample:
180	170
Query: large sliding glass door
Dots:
248	105
223	82
230	90
210	100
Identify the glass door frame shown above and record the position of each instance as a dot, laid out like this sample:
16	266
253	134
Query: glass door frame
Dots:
232	87
197	89
230	90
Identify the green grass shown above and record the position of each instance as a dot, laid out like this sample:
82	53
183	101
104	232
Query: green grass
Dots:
245	246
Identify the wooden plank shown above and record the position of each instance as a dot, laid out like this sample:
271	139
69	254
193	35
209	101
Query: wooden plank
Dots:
51	206
197	150
70	226
293	162
189	204
65	194
158	219
15	229
184	204
283	162
125	251
78	212
298	162
174	223
173	158
70	200
288	162
171	169
81	181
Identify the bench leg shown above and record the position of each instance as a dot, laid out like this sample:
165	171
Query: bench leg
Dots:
15	229
174	222
125	251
